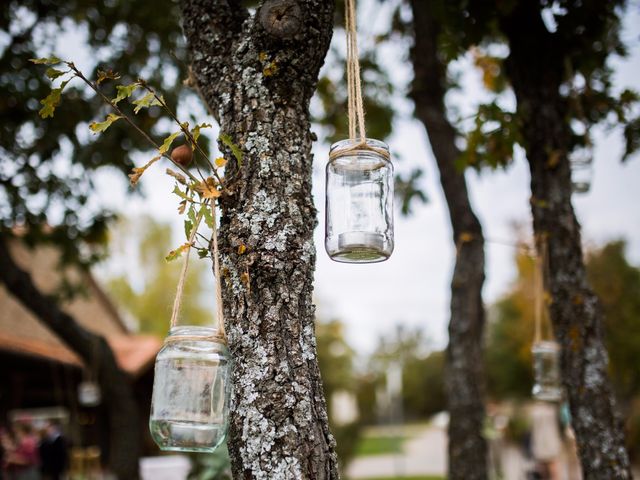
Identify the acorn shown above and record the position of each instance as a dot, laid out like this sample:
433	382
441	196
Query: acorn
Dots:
182	155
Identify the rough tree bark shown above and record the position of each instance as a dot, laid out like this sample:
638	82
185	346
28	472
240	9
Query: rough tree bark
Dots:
464	377
535	67
257	74
117	393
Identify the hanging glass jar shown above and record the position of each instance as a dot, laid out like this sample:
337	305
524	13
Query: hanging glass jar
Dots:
581	162
546	371
89	393
359	202
191	390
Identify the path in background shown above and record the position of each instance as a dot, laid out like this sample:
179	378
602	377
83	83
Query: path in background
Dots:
423	453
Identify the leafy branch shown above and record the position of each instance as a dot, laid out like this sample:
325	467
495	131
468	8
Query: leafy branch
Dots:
197	196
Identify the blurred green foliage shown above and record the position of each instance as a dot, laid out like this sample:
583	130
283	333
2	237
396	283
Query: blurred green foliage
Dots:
141	244
335	358
423	393
211	466
46	166
511	329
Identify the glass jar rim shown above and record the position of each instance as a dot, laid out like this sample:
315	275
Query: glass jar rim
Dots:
546	346
349	142
194	331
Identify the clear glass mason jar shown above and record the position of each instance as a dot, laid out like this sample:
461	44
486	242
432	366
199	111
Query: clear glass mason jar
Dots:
359	203
191	391
547	384
581	162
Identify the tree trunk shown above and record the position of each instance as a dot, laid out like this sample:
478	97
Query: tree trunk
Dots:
114	383
535	67
257	74
464	368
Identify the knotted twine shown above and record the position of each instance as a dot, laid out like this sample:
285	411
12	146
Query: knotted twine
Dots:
220	334
354	91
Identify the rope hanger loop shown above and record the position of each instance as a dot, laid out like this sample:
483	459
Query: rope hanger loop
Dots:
355	104
177	303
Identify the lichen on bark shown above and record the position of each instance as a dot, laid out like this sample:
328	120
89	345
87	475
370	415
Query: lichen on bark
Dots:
258	84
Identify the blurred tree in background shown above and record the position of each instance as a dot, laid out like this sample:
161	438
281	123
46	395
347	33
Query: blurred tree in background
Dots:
336	358
142	290
617	284
511	329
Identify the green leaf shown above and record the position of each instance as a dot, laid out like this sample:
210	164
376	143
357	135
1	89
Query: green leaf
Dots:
196	130
97	127
180	193
188	226
53	73
191	214
45	61
51	101
203	252
125	91
145	102
235	150
208	215
166	145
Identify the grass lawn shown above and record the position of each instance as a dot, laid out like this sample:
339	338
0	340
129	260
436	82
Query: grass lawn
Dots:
379	445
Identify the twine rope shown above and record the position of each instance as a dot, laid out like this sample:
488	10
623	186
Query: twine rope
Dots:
541	266
355	104
220	333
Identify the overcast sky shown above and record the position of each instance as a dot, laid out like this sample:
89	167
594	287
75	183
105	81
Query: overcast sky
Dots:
412	287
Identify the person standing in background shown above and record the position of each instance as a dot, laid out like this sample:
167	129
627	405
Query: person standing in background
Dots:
22	459
53	452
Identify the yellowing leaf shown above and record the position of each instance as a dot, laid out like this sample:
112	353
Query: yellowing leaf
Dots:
45	61
270	69
125	91
166	145
241	249
106	75
195	133
207	189
465	237
178	176
220	162
173	254
147	101
137	172
97	127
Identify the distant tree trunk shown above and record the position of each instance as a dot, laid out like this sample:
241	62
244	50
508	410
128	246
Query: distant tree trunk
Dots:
536	68
464	378
257	74
117	392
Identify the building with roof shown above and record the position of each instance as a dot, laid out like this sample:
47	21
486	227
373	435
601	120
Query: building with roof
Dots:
40	374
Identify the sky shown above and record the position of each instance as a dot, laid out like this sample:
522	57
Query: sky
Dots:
412	287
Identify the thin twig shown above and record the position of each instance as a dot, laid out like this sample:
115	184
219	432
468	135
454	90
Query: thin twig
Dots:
184	130
113	105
